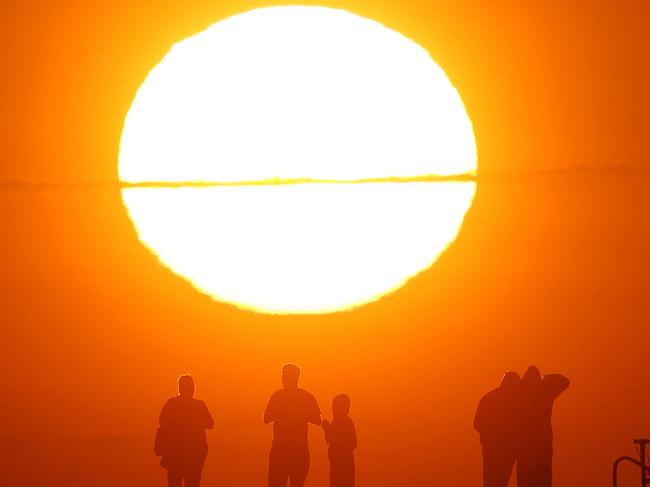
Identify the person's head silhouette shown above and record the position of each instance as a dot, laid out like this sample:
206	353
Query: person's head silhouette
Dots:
186	386
341	406
510	379
290	376
532	375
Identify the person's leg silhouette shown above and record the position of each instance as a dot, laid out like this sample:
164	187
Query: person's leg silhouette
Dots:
534	473
278	468
299	469
497	467
174	478
193	477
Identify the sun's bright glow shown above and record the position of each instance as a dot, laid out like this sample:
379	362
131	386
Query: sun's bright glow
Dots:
288	93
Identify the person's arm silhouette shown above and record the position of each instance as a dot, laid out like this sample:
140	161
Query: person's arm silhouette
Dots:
269	412
206	417
326	425
164	418
555	384
353	436
478	417
313	416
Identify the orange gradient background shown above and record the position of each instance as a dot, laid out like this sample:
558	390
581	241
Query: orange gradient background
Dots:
551	266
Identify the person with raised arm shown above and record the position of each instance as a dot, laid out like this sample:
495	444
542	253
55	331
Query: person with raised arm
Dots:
535	450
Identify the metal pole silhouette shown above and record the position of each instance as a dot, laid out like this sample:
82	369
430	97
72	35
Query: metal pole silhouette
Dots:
645	468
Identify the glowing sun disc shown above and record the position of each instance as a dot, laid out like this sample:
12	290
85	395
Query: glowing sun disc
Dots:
306	93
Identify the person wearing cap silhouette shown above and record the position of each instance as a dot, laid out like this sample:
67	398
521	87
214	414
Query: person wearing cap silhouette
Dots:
496	420
290	409
183	421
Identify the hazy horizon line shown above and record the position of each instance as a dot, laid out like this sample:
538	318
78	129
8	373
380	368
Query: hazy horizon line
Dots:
482	176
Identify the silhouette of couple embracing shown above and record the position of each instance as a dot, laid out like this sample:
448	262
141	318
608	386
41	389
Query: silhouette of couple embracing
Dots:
514	423
182	443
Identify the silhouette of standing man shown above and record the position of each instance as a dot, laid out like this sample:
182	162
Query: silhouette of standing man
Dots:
535	455
290	410
496	421
183	421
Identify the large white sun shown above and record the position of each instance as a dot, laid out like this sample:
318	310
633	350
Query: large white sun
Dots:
345	110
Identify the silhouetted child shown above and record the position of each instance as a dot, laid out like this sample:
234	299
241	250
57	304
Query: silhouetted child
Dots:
342	440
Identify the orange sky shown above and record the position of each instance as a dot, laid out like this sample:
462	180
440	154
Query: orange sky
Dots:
549	269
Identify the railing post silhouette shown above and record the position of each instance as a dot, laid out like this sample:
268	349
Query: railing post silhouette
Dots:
645	468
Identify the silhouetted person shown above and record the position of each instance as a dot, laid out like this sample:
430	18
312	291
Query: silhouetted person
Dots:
342	440
535	452
497	418
290	409
183	421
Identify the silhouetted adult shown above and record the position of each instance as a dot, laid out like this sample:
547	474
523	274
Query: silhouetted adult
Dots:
535	453
183	421
290	410
342	439
496	420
